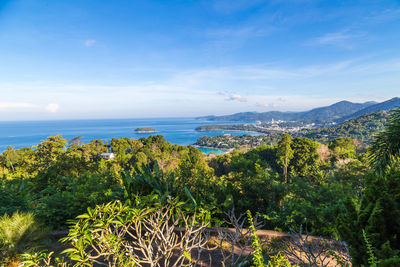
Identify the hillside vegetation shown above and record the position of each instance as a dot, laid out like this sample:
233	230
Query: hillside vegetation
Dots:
338	112
361	128
297	185
384	106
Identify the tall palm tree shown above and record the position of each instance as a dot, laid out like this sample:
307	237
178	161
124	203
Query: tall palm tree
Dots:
386	145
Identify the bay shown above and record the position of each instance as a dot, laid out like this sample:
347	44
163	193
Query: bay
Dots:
179	131
209	150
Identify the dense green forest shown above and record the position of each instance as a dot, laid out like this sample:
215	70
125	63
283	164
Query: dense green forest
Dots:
361	128
237	141
329	189
234	127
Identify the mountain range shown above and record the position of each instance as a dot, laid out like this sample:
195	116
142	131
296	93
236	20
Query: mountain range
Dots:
336	113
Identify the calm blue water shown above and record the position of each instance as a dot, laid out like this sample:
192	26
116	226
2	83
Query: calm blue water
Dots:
175	130
208	150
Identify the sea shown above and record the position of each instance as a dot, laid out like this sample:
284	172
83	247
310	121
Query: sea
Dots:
179	131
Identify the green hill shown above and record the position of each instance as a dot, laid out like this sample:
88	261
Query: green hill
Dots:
386	105
333	112
361	128
320	115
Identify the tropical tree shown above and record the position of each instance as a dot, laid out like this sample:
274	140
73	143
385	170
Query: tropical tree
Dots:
385	147
342	148
305	161
49	150
285	153
374	225
10	157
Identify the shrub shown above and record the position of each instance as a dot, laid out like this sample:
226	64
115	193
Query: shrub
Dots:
15	195
120	235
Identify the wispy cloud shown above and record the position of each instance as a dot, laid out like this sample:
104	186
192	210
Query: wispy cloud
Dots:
260	86
233	38
236	97
382	16
239	32
23	106
90	42
356	31
16	105
344	39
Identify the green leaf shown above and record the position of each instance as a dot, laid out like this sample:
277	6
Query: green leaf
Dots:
69	250
190	195
83	216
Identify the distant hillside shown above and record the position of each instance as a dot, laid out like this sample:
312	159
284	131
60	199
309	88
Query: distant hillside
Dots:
333	112
362	128
317	115
386	105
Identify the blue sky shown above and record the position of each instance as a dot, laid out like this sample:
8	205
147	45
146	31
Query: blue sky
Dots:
135	59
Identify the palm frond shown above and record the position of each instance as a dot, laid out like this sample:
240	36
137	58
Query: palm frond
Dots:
385	148
18	233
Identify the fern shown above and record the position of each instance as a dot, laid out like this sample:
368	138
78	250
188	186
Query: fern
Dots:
372	260
18	233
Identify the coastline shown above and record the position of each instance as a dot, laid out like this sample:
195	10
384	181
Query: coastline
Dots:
245	128
181	131
221	130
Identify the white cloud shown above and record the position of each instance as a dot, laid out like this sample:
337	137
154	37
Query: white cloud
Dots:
236	97
255	87
9	105
52	108
90	42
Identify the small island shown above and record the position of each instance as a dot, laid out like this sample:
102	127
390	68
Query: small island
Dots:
145	130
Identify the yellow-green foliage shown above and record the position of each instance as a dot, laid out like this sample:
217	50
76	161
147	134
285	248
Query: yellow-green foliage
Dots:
18	233
279	260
